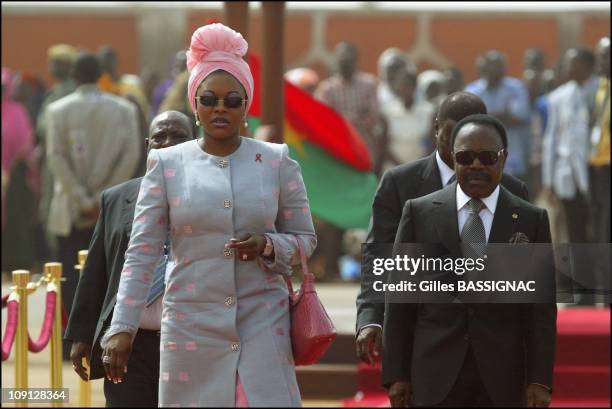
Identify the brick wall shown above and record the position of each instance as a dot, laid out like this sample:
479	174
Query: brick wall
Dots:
434	40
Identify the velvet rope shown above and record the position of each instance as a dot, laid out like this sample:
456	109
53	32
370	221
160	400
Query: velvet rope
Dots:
11	328
47	327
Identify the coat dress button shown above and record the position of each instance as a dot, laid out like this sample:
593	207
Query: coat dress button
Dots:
235	346
227	204
223	163
229	301
228	253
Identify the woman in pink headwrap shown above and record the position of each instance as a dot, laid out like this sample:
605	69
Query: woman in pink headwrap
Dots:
235	209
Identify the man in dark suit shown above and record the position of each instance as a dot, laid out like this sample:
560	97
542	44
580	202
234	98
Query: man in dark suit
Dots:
402	183
458	354
96	293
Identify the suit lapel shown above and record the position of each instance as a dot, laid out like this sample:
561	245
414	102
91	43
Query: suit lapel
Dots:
430	177
506	217
129	205
447	225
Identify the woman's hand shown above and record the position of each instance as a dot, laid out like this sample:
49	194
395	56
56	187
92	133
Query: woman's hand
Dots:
116	355
248	246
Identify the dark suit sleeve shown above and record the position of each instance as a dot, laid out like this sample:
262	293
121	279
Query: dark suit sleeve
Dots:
541	325
91	289
386	213
400	318
524	191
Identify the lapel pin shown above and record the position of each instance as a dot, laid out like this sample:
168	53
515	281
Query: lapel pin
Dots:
514	216
258	157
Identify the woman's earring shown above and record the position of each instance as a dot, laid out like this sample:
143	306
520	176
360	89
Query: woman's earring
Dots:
246	124
198	123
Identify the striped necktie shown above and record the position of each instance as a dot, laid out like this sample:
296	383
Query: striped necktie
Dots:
451	179
159	286
473	233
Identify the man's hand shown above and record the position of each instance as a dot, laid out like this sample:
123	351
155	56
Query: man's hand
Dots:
369	344
537	396
79	351
399	394
118	350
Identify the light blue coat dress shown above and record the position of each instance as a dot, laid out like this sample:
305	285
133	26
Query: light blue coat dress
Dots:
221	315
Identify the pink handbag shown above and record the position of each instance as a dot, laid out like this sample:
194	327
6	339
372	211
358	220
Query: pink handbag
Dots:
312	331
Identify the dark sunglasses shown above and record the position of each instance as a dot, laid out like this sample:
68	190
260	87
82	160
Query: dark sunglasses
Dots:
487	158
232	101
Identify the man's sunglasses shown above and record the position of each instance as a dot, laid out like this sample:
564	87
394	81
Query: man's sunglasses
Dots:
231	101
487	158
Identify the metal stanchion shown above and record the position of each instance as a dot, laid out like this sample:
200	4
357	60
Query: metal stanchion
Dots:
54	275
84	386
21	279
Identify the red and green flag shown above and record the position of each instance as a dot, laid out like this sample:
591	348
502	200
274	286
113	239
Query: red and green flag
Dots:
333	157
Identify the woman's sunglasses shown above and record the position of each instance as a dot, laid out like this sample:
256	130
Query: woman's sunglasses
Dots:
232	101
487	158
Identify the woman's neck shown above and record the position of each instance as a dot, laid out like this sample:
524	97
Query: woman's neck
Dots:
220	148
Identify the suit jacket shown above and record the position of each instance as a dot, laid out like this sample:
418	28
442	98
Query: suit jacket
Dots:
399	184
79	127
426	344
92	309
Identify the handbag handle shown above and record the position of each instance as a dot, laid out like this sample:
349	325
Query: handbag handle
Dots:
308	276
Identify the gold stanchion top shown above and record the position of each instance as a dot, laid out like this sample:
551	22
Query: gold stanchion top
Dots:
21	278
83	256
54	270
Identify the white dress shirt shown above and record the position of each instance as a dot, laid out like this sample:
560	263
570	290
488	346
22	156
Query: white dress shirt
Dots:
445	171
486	214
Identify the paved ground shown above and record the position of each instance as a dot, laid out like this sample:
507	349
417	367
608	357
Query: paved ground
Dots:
339	300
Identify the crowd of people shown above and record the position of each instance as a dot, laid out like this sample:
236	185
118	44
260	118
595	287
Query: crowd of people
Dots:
395	113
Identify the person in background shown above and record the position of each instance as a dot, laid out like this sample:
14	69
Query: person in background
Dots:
390	63
128	86
453	80
507	99
430	87
178	66
566	141
353	94
149	78
410	121
18	194
30	91
565	157
60	58
176	97
599	163
429	93
306	79
91	146
96	293
534	64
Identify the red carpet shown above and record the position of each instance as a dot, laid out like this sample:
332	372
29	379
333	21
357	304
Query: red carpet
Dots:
582	367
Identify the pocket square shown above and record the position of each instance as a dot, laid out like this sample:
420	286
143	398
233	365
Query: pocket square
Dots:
518	238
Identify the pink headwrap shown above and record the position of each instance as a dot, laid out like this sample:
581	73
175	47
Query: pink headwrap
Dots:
217	47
